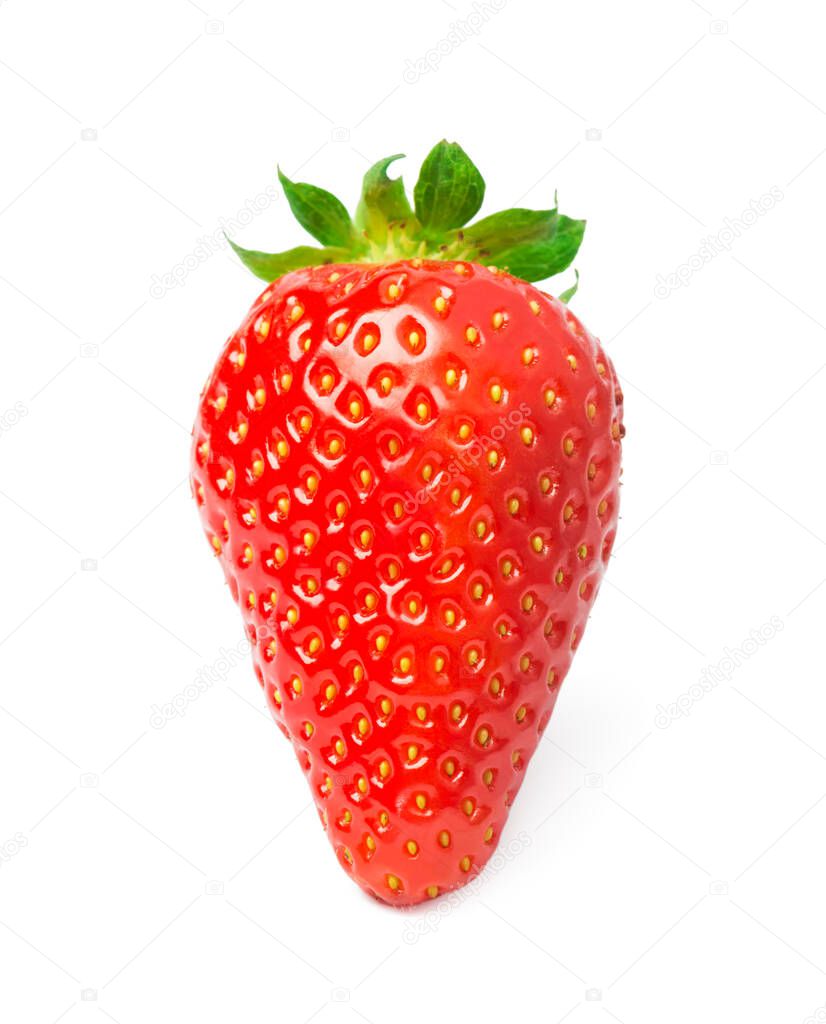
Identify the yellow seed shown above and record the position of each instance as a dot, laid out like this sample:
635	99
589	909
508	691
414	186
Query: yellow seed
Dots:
440	304
451	378
456	712
356	409
414	340
341	328
472	335
327	381
393	882
497	320
421	712
405	665
495	686
444	838
365	477
425	540
384	769
365	537
513	506
483	736
361	785
590	410
449	616
468	807
473	657
370	842
384	819
412	752
455	496
330	691
465	431
381	641
477	591
286	381
338	746
493	458
260	396
412	847
449	768
296	312
427	472
438	663
571	362
534	307
550	397
537	543
496	392
582	551
385	384
422	411
308	729
527	435
528	356
282	449
551	677
363	726
369	342
386	705
603	505
341	509
481	529
487	776
520	713
527	603
308	538
421	801
242	430
488	834
292	616
568	445
221	403
560	576
394	291
567	513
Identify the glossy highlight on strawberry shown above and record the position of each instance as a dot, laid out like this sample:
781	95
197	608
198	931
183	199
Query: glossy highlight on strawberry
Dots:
408	470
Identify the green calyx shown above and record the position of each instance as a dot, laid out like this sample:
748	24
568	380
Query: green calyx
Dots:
531	244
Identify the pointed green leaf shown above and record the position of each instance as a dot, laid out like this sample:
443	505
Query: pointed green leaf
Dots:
450	189
534	261
569	293
269	266
502	231
383	200
319	212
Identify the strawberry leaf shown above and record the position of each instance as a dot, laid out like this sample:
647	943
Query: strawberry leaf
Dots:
503	231
569	293
383	201
319	212
536	260
269	266
450	189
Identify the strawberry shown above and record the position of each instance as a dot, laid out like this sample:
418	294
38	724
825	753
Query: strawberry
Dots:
407	462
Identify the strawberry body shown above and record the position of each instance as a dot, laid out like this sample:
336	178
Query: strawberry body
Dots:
409	473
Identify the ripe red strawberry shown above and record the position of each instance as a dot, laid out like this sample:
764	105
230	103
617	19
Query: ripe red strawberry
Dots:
407	463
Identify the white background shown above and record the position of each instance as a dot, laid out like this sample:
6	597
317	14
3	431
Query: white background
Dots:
178	874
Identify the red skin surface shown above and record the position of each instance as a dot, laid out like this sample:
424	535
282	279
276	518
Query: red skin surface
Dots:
423	751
